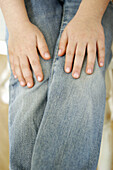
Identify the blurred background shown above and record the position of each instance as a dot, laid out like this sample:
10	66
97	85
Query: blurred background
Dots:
106	152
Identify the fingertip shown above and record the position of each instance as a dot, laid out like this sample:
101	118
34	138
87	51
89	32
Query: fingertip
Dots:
101	64
89	71
47	56
30	85
22	83
40	78
60	52
15	76
76	75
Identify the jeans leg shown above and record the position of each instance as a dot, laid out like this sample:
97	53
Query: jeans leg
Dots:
70	132
26	106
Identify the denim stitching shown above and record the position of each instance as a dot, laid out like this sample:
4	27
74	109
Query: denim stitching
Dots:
55	53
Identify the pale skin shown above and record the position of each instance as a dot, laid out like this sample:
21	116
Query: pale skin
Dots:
83	31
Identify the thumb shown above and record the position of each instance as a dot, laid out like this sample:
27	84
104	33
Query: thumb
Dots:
42	47
62	44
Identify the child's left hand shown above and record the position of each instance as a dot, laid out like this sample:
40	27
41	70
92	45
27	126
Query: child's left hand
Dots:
82	33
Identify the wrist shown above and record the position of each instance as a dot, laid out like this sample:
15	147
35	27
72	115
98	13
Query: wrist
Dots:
18	27
87	15
87	18
92	9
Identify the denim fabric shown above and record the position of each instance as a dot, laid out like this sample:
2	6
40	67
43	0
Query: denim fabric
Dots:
57	124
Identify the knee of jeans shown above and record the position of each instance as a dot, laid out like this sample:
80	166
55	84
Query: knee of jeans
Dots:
93	85
19	112
21	129
93	82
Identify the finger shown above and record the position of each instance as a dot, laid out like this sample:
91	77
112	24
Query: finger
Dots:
27	73
79	58
70	51
18	71
101	52
91	57
35	63
43	48
62	43
11	58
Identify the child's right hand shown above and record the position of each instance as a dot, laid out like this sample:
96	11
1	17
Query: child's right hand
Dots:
22	48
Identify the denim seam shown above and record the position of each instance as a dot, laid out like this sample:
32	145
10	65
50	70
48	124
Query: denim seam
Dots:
56	49
11	93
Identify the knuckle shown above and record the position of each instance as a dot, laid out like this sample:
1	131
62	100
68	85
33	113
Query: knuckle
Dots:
79	53
19	73
19	76
35	63
101	57
41	36
90	63
78	67
101	52
37	73
27	73
101	36
102	49
91	37
61	42
69	53
28	76
44	48
24	66
92	51
82	37
72	37
16	66
68	62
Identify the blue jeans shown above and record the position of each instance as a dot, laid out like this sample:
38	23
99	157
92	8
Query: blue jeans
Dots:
57	124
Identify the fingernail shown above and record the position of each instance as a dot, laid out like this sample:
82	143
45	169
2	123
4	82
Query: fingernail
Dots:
28	84
89	70
22	83
39	78
101	63
59	52
67	69
47	55
15	76
76	75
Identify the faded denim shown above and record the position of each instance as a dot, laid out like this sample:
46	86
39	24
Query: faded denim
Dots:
57	124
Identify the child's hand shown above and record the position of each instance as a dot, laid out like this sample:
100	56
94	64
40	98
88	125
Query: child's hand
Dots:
22	47
79	34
